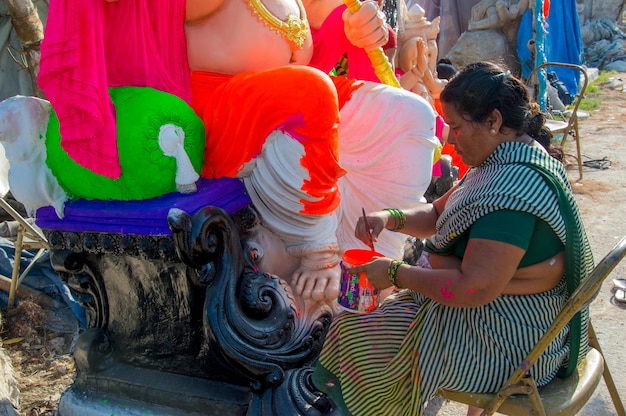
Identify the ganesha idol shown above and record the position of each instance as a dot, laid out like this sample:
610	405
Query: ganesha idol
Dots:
197	198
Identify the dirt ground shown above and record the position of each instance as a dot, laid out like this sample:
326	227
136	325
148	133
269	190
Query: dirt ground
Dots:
38	344
602	198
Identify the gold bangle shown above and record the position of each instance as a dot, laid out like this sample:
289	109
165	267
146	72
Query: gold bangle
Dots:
392	272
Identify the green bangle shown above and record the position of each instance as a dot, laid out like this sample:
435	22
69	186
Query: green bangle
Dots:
392	272
399	219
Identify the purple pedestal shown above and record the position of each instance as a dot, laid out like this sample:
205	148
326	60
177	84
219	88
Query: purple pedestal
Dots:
147	217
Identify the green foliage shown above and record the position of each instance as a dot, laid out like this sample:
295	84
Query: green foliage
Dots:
589	104
591	100
603	77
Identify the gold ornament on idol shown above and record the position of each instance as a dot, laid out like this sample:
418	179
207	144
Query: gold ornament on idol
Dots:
294	29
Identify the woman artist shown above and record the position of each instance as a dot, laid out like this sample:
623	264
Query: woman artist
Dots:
506	248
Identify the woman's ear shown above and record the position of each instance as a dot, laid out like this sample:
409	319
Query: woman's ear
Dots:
495	120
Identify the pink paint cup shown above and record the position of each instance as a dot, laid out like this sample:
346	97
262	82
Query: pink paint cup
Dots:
357	294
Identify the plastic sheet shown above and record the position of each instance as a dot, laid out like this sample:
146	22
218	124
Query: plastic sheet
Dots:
563	42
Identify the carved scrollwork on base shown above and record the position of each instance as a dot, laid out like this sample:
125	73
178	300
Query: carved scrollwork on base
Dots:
80	272
191	306
142	246
295	396
251	318
93	351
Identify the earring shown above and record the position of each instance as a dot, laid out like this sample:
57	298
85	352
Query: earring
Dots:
492	132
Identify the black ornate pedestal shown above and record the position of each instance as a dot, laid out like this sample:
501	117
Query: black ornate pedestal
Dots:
180	322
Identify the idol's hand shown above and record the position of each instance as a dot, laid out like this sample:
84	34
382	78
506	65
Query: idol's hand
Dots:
367	28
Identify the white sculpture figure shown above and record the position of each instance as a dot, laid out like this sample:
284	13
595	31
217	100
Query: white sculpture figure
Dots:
23	125
417	52
491	35
172	141
4	172
496	14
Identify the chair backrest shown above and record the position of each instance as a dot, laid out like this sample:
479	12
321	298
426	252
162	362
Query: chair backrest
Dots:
581	297
28	230
532	80
564	126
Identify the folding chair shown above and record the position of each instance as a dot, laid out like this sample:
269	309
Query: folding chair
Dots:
28	238
567	126
520	395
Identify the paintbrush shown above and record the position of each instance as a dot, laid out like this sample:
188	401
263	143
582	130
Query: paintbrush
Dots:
369	231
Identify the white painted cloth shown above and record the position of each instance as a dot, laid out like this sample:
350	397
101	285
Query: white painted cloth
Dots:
386	143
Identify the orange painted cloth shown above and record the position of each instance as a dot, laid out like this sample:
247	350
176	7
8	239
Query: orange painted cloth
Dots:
241	111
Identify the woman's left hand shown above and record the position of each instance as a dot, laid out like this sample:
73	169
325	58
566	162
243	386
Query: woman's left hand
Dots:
376	272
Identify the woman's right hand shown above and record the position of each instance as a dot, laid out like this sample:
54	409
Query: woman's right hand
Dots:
377	222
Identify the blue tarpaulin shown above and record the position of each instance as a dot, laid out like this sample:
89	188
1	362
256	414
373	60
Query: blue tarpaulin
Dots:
41	277
562	42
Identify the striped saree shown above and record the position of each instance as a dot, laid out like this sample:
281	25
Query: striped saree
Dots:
395	359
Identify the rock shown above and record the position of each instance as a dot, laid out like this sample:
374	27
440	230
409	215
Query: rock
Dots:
483	45
609	9
619	66
9	393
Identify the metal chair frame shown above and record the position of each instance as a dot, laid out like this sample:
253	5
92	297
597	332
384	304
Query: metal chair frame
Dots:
570	126
520	395
28	238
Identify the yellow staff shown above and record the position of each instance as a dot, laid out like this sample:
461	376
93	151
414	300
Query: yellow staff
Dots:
383	68
381	64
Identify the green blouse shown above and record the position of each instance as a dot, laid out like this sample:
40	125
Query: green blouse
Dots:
519	228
